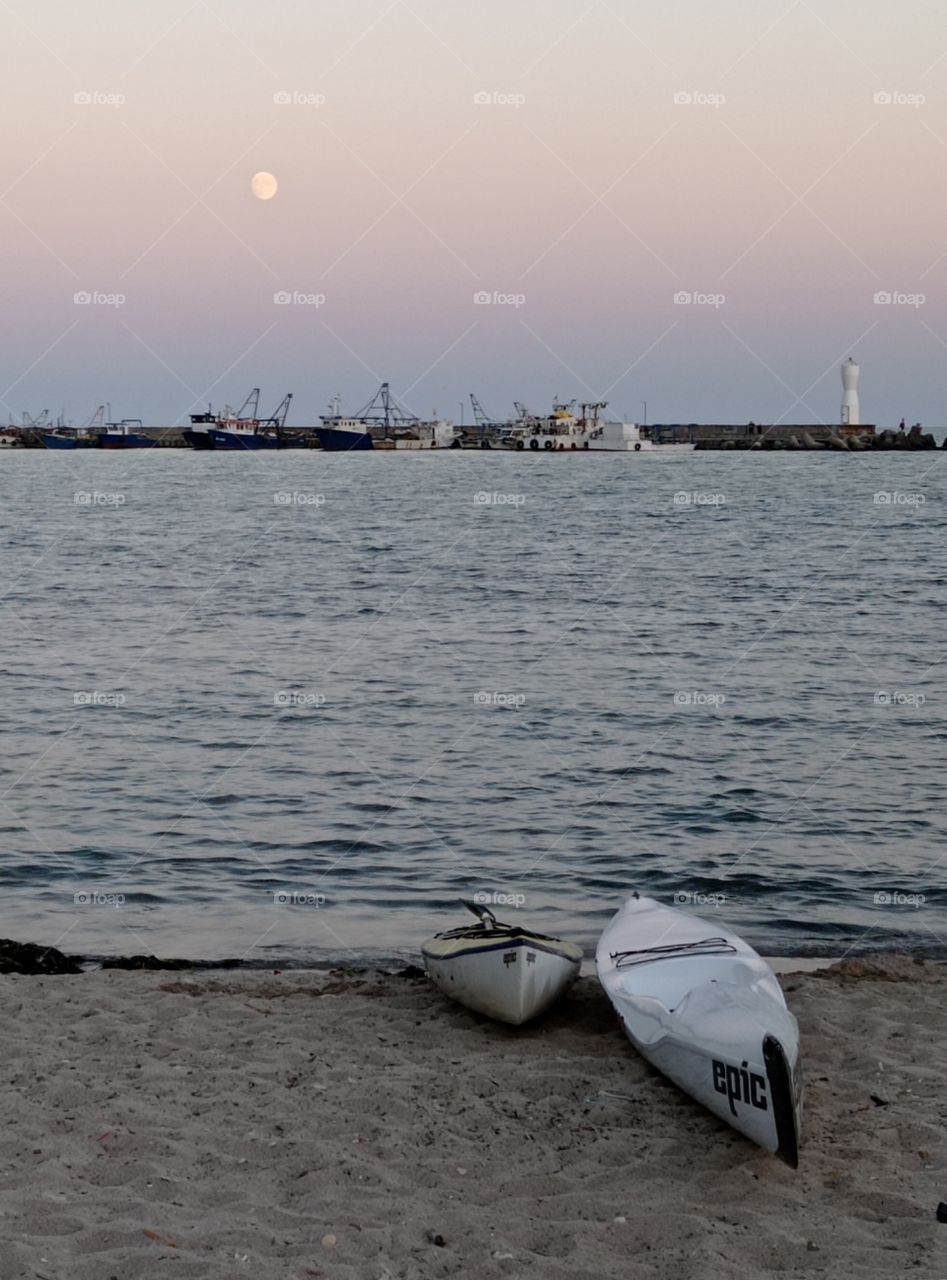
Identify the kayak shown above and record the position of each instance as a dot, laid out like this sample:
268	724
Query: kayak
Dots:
706	1010
507	972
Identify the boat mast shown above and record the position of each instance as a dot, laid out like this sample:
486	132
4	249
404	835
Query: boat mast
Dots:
277	418
385	410
252	403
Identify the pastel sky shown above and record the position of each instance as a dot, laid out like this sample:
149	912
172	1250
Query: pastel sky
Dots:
579	162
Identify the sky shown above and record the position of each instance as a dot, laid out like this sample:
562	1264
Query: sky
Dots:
705	207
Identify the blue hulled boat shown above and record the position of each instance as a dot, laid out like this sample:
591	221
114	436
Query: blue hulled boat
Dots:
242	429
120	435
197	434
382	424
243	438
346	434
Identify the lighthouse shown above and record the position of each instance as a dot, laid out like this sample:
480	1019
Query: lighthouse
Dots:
850	409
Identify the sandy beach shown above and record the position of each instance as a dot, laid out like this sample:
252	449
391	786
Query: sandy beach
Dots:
206	1126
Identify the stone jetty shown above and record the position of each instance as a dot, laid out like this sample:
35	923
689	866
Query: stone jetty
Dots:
787	436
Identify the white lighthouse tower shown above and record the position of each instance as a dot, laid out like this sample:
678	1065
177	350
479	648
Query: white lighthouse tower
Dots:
851	414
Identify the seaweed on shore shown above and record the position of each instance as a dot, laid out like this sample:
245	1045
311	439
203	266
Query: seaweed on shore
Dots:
153	962
28	958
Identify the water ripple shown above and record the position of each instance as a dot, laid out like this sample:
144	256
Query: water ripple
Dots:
740	708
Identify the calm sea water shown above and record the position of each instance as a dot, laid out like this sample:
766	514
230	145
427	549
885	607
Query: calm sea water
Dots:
286	707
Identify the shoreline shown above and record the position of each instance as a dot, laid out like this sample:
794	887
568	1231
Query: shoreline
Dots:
364	1127
35	959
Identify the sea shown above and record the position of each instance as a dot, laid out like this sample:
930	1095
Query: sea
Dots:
293	708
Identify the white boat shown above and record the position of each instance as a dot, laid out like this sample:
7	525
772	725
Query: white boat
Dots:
628	437
701	1005
587	430
436	434
507	972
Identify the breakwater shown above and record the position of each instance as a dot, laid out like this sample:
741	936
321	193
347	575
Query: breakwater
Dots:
783	436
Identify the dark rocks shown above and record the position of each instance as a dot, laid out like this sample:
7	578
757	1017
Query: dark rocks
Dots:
903	440
28	958
820	437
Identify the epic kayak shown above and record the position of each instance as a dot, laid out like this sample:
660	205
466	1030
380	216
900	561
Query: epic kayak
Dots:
507	972
706	1010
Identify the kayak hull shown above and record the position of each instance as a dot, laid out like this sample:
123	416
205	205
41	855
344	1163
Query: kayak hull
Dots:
511	979
712	1018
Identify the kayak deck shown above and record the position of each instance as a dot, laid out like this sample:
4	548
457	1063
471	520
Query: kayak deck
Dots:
707	1011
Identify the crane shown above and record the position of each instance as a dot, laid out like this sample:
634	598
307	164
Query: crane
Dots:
252	403
279	415
248	411
384	408
590	410
481	417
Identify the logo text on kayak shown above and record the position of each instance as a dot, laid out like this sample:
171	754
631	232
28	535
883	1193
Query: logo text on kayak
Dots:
740	1085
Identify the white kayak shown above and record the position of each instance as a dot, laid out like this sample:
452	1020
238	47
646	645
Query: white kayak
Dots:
706	1010
507	972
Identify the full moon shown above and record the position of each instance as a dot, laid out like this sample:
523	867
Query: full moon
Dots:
264	186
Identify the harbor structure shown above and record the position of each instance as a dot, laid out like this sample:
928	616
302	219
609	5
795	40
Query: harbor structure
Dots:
851	410
384	425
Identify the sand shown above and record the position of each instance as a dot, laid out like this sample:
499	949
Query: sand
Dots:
212	1126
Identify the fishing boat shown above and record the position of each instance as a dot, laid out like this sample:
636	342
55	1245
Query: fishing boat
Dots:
197	435
63	437
31	431
562	429
700	1005
243	428
124	435
339	434
504	971
69	438
381	424
246	430
567	429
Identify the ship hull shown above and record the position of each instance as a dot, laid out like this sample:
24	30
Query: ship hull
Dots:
234	440
613	438
112	440
198	439
336	440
